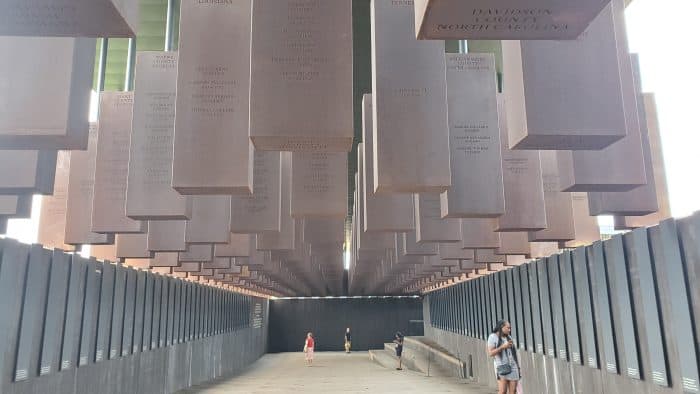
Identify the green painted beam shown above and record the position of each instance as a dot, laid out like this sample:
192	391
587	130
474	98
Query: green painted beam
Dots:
150	37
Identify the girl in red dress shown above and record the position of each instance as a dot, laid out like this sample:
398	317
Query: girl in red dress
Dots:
309	348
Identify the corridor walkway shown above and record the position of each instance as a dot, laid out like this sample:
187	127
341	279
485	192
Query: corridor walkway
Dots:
332	372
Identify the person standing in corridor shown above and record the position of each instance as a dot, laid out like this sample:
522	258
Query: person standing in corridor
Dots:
348	340
398	340
309	349
505	360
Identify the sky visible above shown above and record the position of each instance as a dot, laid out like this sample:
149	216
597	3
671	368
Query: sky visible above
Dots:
664	33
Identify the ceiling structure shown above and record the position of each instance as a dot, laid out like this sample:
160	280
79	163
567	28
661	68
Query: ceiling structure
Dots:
158	30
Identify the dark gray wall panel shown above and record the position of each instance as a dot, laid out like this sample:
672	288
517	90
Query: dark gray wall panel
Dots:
218	311
569	305
177	312
599	286
205	312
140	312
505	303
452	309
201	312
471	297
373	322
154	339
449	310
557	306
493	301
459	301
440	302
642	272
666	252
527	314
248	312
193	312
488	306
160	327
55	313
129	312
465	308
169	283
464	294
198	313
509	291
74	313
535	308
115	343
33	309
82	315
188	311
217	316
183	312
458	311
441	310
233	311
446	310
479	310
482	308
517	306
104	321
226	309
212	312
689	238
497	309
546	306
224	312
584	303
13	267
435	311
626	333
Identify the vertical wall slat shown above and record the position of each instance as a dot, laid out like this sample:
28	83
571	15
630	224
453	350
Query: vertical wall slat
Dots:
69	352
55	313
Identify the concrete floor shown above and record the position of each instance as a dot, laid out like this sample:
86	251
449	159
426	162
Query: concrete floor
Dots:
332	372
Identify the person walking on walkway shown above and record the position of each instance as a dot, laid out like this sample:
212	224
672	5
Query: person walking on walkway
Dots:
505	360
398	340
309	349
348	340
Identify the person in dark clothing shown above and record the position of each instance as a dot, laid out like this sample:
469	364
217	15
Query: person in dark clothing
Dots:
348	340
398	340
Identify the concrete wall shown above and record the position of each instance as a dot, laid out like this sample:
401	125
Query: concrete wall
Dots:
622	317
71	325
373	322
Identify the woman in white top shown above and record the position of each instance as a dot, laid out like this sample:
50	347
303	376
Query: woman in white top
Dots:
505	361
